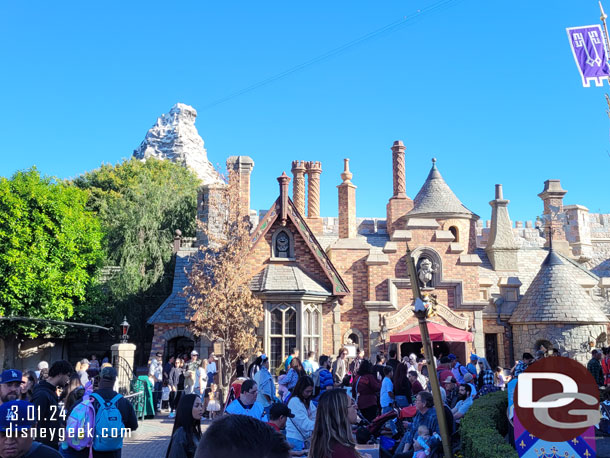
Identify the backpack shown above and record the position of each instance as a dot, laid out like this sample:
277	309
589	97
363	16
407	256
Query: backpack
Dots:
108	425
81	424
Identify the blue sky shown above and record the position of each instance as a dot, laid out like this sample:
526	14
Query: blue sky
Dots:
488	88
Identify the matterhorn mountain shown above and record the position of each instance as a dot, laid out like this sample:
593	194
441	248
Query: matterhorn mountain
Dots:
175	138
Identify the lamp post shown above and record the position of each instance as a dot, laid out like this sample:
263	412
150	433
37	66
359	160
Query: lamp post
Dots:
421	313
124	328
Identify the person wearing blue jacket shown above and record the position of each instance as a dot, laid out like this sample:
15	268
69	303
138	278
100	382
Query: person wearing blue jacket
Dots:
323	378
266	386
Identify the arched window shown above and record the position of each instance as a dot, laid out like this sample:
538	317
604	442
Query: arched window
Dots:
282	245
455	232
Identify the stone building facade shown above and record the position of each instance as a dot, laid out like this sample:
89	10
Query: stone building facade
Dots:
335	281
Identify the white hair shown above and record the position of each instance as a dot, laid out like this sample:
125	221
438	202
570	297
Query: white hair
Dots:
43	365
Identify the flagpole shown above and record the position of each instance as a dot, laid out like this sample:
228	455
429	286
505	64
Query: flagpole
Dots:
603	18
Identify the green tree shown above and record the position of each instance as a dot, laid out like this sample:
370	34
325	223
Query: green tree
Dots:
140	205
50	249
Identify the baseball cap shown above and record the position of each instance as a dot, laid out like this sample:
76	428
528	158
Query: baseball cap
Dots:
10	375
452	356
159	354
194	352
473	357
14	415
449	379
278	409
108	373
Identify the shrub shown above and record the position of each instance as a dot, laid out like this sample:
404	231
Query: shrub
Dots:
484	426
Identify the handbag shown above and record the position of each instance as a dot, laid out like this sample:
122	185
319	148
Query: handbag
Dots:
305	439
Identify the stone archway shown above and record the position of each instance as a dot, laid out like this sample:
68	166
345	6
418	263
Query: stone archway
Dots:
353	332
160	340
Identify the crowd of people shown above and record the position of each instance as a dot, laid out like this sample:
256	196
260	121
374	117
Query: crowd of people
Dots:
316	407
63	411
317	404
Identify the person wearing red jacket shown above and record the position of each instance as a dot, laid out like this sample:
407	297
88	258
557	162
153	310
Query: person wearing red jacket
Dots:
365	389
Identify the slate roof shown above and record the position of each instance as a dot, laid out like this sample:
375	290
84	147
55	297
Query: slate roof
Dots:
436	197
175	308
287	278
555	296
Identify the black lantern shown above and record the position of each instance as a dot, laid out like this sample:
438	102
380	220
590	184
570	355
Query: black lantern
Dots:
124	328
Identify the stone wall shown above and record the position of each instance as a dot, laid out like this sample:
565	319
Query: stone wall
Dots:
600	260
568	338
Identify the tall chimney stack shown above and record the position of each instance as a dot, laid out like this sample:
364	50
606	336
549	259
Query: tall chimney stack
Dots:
399	204
284	181
501	246
552	197
347	204
298	186
314	169
240	168
398	170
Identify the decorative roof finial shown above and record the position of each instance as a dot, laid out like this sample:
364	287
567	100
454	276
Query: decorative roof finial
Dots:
346	176
434	163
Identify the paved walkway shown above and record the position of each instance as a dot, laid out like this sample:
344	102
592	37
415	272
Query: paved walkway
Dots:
151	439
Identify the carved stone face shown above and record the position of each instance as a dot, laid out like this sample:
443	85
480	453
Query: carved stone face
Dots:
282	241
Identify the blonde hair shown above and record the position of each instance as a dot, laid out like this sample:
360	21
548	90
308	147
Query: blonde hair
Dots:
332	425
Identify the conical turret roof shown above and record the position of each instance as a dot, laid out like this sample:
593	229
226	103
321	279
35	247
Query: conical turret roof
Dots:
435	198
555	296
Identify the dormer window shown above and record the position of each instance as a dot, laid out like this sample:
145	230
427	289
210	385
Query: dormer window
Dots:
282	245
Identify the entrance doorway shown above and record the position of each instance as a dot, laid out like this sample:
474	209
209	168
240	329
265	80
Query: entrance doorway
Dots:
438	348
178	346
491	350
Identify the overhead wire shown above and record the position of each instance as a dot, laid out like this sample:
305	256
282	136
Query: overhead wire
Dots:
387	29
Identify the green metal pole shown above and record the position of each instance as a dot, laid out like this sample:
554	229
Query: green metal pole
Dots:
429	354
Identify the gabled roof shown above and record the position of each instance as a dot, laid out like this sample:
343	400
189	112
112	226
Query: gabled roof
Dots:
338	285
175	308
278	278
435	198
555	296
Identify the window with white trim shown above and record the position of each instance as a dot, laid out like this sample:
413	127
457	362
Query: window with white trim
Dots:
312	322
282	333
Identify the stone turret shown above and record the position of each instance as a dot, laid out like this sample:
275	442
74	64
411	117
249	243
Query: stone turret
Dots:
501	248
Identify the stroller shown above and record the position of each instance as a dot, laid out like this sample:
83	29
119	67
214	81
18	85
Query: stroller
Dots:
376	431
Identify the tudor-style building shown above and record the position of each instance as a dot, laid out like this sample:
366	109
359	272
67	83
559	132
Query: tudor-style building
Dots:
327	282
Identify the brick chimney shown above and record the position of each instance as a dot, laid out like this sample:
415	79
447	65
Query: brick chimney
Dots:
313	169
501	246
552	197
347	204
240	168
284	181
298	186
399	204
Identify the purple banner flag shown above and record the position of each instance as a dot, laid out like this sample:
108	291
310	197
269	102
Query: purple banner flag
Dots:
587	44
